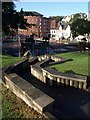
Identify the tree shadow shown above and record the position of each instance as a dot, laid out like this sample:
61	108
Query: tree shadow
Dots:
70	71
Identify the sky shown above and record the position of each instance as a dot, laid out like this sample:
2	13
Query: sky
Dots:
54	8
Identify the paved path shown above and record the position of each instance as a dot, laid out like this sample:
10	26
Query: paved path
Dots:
69	102
13	48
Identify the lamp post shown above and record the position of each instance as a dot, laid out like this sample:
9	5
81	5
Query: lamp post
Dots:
19	41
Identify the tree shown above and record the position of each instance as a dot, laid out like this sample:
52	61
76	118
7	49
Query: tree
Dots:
11	18
80	27
75	17
79	24
78	16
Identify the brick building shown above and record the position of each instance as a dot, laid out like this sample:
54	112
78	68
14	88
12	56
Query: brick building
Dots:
40	25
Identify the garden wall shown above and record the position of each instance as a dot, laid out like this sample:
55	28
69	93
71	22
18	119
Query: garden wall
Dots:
29	94
63	78
32	96
51	76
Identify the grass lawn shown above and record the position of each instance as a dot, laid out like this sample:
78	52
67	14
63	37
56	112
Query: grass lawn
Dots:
78	65
6	60
7	106
8	111
12	106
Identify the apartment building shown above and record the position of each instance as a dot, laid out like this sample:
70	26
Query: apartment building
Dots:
39	25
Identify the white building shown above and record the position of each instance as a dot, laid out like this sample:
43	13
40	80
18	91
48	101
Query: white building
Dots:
63	31
53	33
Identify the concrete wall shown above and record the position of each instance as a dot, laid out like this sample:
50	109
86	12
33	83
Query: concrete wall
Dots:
50	76
36	69
35	98
65	79
29	94
43	57
37	73
24	64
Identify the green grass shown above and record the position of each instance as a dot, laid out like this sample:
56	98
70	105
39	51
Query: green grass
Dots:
6	60
7	109
78	65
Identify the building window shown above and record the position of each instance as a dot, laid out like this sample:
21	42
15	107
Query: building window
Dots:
53	35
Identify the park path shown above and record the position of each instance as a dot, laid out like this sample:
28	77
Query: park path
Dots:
12	48
69	102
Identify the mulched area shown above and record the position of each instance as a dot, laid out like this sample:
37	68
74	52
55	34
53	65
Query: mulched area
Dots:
19	106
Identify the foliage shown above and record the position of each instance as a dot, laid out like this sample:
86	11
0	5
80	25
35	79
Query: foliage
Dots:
80	27
11	18
78	16
79	24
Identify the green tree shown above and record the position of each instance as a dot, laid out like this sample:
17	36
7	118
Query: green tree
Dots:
75	17
80	27
11	18
78	16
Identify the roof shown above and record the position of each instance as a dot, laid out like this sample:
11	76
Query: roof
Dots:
63	24
32	13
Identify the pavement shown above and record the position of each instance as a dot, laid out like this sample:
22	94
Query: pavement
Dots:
69	102
13	48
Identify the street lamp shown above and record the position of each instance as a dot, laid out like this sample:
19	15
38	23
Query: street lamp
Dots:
19	40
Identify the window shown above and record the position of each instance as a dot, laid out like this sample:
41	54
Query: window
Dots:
53	35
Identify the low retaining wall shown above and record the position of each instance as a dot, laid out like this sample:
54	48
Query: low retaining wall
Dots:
56	58
18	66
44	60
32	96
63	78
51	76
53	59
43	57
29	94
36	69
